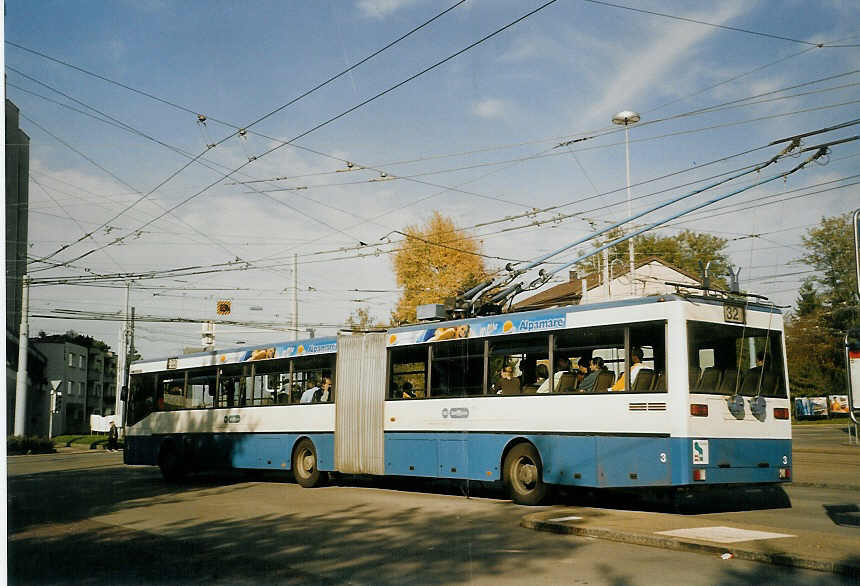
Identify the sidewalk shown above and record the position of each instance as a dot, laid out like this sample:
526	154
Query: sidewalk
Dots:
801	549
836	466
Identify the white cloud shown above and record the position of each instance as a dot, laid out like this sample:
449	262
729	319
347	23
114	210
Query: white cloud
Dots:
668	46
491	108
381	8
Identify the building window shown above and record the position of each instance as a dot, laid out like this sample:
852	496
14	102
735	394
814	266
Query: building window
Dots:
80	361
71	359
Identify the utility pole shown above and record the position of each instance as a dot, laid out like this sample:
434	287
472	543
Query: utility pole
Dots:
121	360
21	379
131	350
295	296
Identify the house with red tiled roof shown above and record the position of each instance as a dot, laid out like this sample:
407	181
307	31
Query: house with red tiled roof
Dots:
650	277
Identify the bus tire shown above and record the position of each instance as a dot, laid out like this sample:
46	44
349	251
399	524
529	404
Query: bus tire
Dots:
305	468
523	475
170	463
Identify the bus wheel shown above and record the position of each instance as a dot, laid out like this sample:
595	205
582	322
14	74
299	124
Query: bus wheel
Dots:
172	468
523	475
305	468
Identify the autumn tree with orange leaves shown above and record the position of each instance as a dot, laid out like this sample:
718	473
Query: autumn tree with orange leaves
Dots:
436	261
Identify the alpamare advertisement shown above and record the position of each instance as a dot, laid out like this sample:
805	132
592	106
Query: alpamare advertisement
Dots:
490	326
282	350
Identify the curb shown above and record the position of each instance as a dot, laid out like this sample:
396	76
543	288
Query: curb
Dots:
779	559
826	485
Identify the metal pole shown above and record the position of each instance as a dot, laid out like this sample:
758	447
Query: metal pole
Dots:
130	356
21	379
51	414
629	210
121	359
295	296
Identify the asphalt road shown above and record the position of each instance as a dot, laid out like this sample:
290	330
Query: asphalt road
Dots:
87	519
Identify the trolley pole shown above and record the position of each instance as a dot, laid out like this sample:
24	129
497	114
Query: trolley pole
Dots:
21	379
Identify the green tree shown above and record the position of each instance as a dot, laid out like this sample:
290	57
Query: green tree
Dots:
825	308
684	250
807	299
436	262
829	251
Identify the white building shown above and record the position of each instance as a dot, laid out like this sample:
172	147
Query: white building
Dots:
651	276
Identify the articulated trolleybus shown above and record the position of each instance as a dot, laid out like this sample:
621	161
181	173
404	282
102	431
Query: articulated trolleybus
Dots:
497	398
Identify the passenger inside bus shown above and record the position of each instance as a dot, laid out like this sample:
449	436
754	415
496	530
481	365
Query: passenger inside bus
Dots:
507	384
310	389
326	393
406	391
595	367
636	356
541	376
562	366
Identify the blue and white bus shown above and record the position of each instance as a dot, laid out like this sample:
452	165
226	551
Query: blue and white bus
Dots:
497	398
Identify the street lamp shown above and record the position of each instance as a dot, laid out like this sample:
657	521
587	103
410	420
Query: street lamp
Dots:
626	118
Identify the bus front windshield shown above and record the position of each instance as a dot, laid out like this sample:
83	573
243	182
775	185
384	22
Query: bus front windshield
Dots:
728	360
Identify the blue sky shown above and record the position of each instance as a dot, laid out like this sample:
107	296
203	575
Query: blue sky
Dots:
476	137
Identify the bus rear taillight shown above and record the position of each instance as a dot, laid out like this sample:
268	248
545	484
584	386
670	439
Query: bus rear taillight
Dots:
699	474
698	410
785	473
780	413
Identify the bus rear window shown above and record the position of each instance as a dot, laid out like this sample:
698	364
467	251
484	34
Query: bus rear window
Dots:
728	360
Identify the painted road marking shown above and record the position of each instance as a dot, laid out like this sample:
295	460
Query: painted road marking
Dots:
571	518
722	534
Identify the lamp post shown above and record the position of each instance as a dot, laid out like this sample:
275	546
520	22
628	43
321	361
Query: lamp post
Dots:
626	118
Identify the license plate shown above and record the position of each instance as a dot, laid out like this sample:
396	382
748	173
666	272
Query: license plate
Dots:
734	314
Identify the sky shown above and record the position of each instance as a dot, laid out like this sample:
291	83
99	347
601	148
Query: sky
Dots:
168	135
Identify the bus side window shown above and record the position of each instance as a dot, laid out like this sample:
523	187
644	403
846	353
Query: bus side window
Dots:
457	368
142	399
523	355
408	373
201	389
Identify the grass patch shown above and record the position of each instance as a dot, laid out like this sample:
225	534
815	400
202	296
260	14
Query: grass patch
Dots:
92	442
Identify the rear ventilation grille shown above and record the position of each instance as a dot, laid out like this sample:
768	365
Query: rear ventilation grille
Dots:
646	406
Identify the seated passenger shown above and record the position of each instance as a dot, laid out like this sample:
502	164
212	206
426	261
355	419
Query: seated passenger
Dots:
562	365
308	395
406	391
324	395
541	376
596	367
507	384
636	356
583	367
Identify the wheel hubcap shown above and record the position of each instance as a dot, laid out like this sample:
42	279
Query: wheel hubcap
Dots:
308	462
526	473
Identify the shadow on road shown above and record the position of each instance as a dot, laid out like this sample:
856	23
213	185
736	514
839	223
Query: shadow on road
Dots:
53	539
